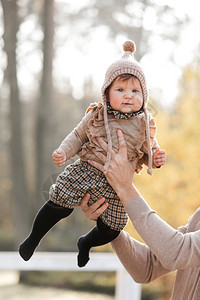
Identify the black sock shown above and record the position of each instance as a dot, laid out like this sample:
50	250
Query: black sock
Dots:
97	236
47	217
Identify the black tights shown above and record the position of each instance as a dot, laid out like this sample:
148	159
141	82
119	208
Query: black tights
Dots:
48	216
97	236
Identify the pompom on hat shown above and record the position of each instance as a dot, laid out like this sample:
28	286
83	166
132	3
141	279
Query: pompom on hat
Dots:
126	65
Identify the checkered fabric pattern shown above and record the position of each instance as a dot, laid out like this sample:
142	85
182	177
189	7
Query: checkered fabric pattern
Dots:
79	178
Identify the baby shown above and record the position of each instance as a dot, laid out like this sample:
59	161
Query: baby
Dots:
124	107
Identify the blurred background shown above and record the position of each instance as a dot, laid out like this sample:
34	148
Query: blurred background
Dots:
54	54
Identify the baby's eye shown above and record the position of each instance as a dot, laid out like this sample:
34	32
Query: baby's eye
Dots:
120	90
134	91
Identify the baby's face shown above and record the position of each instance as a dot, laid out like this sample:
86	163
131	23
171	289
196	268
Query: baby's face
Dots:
126	96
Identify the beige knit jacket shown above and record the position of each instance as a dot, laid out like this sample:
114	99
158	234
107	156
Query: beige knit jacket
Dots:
167	250
83	138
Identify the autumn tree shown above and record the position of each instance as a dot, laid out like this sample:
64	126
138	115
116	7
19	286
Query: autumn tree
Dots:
19	189
44	117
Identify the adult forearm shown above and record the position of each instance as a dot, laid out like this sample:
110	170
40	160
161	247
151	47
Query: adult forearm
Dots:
137	258
173	249
126	193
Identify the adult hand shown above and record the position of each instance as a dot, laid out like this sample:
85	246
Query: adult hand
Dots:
93	211
120	171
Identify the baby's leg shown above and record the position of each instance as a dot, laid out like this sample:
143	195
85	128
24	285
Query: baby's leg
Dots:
99	235
47	217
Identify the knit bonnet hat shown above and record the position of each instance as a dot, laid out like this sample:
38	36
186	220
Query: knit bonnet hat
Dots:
126	65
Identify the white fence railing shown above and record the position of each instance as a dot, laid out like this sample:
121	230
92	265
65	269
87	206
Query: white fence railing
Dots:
126	288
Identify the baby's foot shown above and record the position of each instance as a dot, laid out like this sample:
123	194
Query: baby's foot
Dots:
83	256
26	249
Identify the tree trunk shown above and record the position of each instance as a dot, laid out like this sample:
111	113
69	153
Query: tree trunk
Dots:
43	126
20	199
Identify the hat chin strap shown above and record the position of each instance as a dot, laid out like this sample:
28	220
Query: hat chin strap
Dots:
149	170
108	158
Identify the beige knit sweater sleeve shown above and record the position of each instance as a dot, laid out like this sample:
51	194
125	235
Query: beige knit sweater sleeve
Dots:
168	249
137	259
73	142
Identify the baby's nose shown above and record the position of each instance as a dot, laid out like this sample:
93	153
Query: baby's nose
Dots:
128	94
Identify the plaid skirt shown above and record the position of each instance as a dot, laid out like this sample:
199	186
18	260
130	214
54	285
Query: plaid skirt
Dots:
79	178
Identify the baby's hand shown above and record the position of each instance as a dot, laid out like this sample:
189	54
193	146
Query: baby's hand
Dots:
159	157
59	157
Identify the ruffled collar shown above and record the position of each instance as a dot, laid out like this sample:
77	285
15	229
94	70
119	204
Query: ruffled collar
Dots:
119	115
